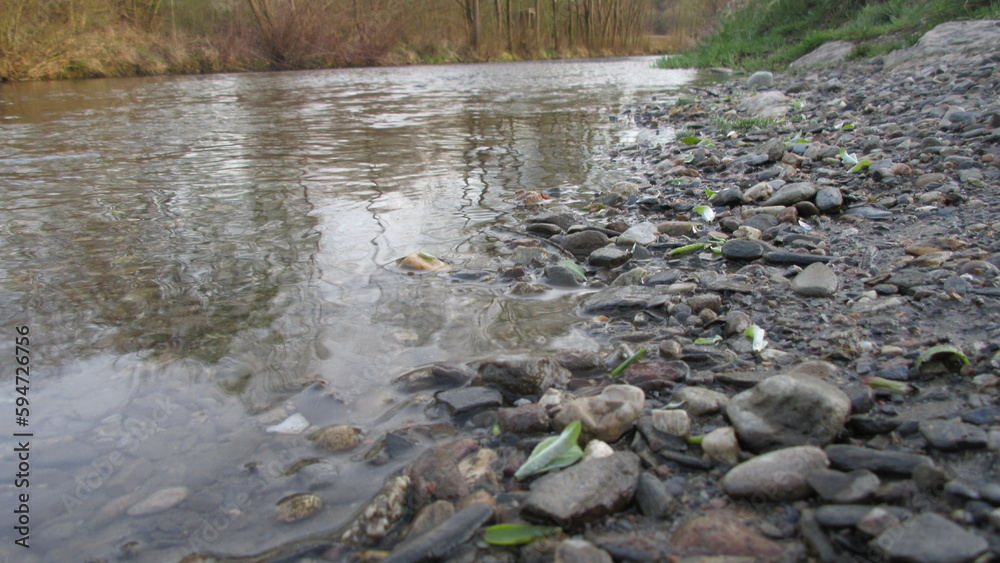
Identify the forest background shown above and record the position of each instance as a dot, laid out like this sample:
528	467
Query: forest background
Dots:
48	39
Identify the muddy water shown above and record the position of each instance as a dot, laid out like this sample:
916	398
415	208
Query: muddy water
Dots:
197	258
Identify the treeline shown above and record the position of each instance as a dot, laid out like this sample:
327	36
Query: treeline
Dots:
91	38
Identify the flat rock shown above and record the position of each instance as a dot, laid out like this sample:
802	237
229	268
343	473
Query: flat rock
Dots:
930	538
643	234
723	532
525	419
845	488
619	299
952	435
605	416
769	103
606	257
678	228
580	551
794	258
469	399
656	375
777	476
847	515
816	280
790	194
828	53
849	458
788	410
582	243
586	491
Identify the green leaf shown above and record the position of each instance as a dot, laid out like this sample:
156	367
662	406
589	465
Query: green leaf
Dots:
876	382
516	534
691	140
941	352
848	158
688	248
574	267
495	429
712	340
553	452
710	194
624	365
861	165
695	439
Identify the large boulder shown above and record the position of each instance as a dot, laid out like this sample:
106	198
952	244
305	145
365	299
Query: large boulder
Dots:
948	42
788	410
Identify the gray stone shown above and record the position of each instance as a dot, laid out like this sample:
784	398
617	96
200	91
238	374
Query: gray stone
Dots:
642	234
581	551
826	54
742	250
443	538
952	435
849	458
788	410
844	488
619	300
608	257
817	280
582	243
947	42
871	213
563	220
848	515
525	419
770	103
794	258
777	476
653	497
930	538
468	399
729	197
586	491
521	376
561	276
760	80
790	194
829	199
699	401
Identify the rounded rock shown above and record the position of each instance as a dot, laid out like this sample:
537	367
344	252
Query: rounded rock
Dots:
742	250
777	476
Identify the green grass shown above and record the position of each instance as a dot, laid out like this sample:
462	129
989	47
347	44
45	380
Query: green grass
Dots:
744	125
769	34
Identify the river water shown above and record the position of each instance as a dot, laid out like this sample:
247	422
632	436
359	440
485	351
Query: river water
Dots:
198	257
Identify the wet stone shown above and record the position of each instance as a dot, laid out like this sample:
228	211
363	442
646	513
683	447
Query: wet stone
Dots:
643	234
561	276
656	375
469	399
520	376
582	243
159	501
952	435
617	300
608	257
653	497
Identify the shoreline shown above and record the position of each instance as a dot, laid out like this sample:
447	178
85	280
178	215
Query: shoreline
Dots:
854	220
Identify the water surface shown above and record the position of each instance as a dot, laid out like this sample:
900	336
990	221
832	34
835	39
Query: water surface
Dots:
199	257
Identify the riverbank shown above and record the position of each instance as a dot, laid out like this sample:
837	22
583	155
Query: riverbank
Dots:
768	35
812	272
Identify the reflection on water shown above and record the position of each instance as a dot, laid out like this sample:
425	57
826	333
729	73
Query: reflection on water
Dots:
199	257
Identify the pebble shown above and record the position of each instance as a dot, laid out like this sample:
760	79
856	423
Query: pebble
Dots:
334	439
159	501
652	496
723	535
722	446
788	410
794	258
586	491
777	476
816	280
844	488
605	416
790	194
698	401
580	551
742	250
298	507
469	399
